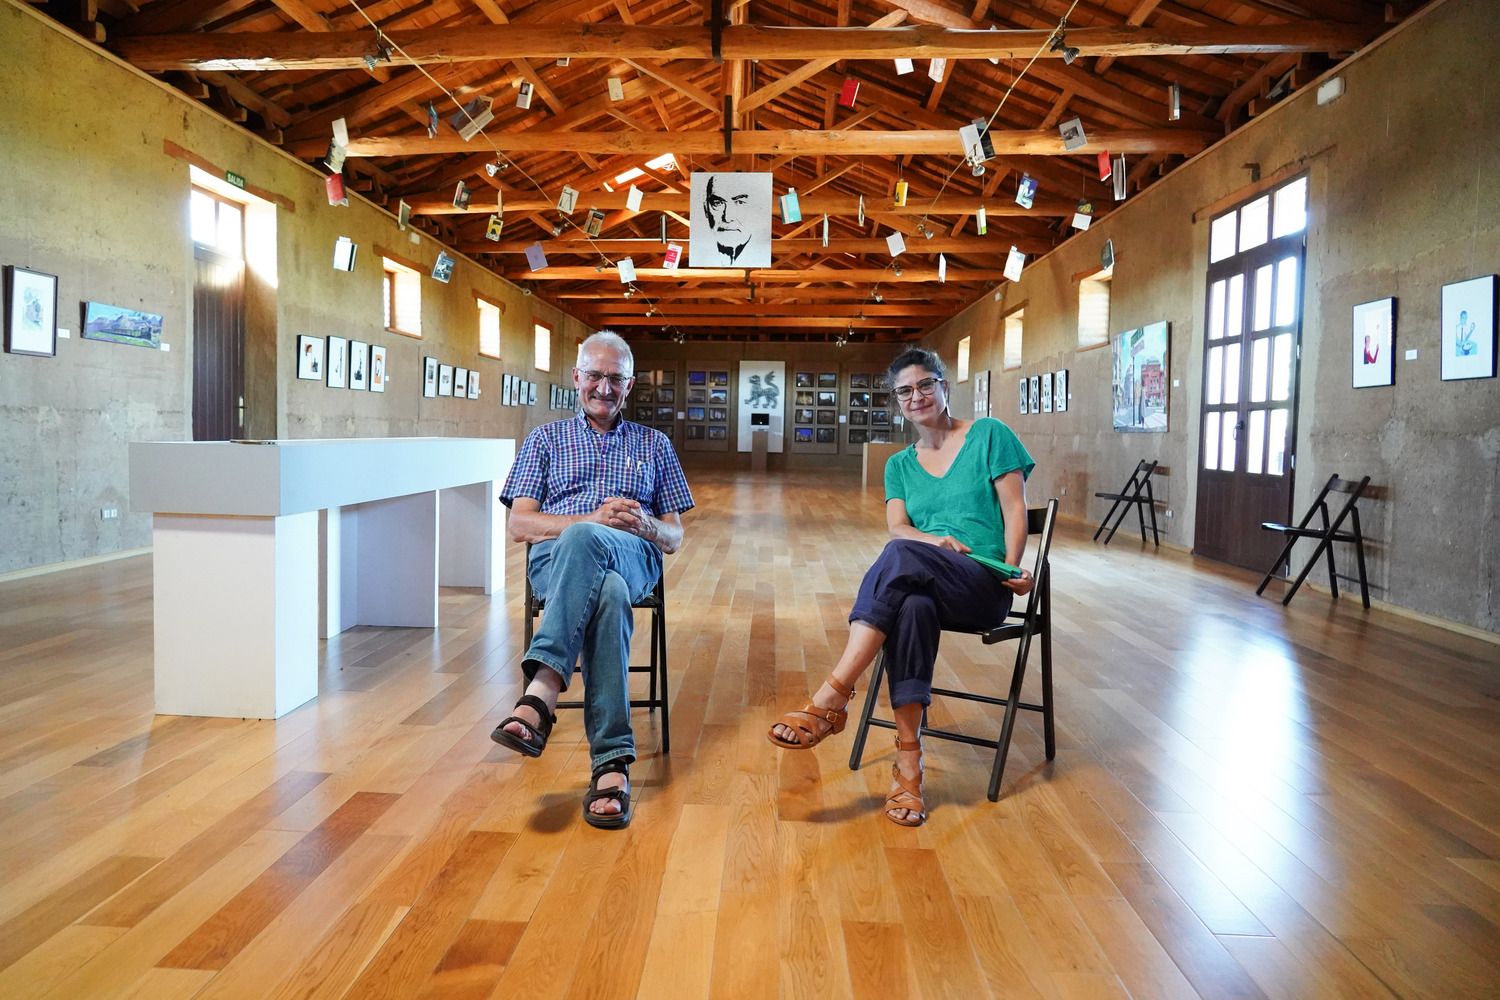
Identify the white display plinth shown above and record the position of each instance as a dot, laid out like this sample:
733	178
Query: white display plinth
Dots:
261	548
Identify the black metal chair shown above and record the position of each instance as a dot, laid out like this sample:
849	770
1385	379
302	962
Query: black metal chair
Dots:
656	603
1326	536
1135	493
1032	621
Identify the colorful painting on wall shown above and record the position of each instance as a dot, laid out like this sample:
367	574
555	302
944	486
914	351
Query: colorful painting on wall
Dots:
1140	370
119	325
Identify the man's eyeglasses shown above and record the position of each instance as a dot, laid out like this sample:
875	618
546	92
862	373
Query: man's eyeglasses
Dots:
616	381
925	388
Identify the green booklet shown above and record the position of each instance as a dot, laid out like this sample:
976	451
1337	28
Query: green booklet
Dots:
1005	569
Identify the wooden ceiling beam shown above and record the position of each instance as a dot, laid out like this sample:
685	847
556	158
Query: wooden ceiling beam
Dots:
859	142
973	246
269	51
619	306
827	202
910	274
768	322
778	87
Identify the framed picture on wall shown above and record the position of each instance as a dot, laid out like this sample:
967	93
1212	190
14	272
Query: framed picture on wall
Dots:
1060	390
473	385
359	365
1468	336
120	325
445	380
1036	394
1046	392
531	393
338	362
1373	338
310	357
377	369
1025	394
461	382
30	312
429	376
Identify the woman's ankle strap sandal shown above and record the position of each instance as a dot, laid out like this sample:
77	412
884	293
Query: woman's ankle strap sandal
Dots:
607	821
813	724
908	791
534	740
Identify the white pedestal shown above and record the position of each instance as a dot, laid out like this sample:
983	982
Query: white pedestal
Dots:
261	549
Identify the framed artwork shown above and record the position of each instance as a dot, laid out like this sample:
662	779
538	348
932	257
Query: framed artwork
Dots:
859	380
429	377
1025	392
804	380
668	377
1373	339
646	395
804	399
461	383
643	414
859	418
531	393
359	365
718	433
805	416
377	369
1468	339
718	395
828	380
119	325
697	396
859	436
666	395
473	385
803	435
697	378
880	418
730	223
643	378
828	416
718	378
1139	365
828	398
883	381
1035	399
695	413
664	414
859	399
445	380
1046	392
1060	391
507	391
30	312
338	363
695	432
825	435
881	399
310	357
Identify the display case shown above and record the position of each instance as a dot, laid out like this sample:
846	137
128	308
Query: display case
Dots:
704	397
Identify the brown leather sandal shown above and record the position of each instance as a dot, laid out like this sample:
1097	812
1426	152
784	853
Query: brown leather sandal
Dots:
907	793
813	724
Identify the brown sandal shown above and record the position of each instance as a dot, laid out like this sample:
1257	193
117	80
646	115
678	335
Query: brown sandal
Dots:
908	793
805	721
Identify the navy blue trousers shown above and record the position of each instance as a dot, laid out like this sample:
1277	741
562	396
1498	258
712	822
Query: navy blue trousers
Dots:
913	592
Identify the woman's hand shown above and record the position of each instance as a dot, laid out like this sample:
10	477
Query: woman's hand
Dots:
949	542
1021	585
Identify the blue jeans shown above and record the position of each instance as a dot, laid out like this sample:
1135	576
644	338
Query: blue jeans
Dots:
589	576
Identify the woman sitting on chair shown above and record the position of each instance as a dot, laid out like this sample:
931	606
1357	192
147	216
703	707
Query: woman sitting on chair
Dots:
956	509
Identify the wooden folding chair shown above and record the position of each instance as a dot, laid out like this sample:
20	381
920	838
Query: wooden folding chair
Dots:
656	602
1029	622
1326	536
1135	493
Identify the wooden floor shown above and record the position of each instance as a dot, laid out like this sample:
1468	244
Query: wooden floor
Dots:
1247	801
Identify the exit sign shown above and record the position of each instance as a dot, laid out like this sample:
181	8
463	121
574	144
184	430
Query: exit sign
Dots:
235	179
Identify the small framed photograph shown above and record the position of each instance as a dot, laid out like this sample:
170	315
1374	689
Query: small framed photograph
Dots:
825	435
697	396
859	399
645	395
828	380
880	399
310	357
718	395
880	418
805	415
859	418
1025	394
695	432
697	378
1468	339
429	377
715	413
1060	391
828	416
718	378
643	378
803	435
338	363
826	398
696	413
859	380
377	368
883	381
718	433
805	399
666	395
461	382
473	385
30	312
664	414
668	377
1046	392
643	414
120	325
531	393
359	364
804	380
445	380
1373	339
859	436
1036	394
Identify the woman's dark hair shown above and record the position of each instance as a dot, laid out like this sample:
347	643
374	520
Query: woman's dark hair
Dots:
917	356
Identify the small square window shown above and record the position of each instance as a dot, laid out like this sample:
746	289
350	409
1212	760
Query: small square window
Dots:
543	347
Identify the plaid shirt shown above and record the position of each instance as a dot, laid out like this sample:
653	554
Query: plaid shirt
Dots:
570	468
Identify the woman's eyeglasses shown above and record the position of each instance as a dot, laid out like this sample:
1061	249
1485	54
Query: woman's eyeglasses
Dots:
615	381
926	387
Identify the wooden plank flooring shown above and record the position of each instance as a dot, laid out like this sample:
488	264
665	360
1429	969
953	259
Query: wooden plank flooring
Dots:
1247	801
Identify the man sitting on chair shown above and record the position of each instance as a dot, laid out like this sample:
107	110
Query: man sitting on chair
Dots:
600	499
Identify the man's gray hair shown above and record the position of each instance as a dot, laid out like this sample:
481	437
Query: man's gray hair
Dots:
608	339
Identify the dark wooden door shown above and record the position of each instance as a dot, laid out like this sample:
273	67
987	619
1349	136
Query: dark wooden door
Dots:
218	346
1252	343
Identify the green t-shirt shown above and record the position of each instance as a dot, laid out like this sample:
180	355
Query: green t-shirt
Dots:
963	502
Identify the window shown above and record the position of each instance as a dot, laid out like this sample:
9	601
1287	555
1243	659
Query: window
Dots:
489	328
218	224
963	360
1093	309
402	290
543	348
1014	327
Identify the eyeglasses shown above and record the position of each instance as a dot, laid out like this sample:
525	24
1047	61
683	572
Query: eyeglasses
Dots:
616	381
926	387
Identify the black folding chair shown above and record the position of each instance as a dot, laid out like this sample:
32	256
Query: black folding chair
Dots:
656	602
1326	536
1136	493
1029	622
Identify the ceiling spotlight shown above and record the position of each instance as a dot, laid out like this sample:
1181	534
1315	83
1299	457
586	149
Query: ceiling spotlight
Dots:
879	298
650	310
628	293
557	229
976	168
930	233
898	270
1060	44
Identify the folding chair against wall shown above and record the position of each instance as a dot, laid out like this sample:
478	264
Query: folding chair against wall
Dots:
1032	621
1326	536
656	602
1135	493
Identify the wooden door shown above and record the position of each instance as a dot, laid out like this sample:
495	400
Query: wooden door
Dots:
1252	343
218	317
